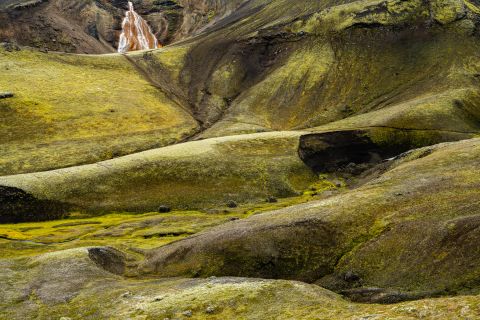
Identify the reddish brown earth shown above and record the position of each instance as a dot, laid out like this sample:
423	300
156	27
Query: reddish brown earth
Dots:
95	26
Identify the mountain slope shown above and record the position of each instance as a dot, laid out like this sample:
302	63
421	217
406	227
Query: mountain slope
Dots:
70	109
269	67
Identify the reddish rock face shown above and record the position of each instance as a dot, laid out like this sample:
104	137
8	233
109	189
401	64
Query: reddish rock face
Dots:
137	34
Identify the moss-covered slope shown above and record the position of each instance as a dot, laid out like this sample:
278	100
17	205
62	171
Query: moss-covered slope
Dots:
199	174
277	66
70	284
70	109
265	66
412	229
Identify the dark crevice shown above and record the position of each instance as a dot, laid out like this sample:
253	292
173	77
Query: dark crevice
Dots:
331	151
109	259
353	151
16	205
167	234
384	296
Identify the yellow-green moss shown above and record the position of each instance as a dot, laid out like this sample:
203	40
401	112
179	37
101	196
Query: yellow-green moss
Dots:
122	230
72	109
447	11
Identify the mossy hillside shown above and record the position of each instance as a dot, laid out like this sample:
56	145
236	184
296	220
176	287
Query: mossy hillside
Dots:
199	174
222	45
448	112
423	71
70	110
170	59
426	92
421	74
286	88
384	13
432	188
444	257
163	68
83	289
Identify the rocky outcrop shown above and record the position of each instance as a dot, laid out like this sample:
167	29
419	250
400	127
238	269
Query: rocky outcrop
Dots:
18	206
95	26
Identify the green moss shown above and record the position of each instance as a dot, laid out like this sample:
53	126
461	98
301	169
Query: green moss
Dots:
344	16
122	230
210	15
129	231
216	298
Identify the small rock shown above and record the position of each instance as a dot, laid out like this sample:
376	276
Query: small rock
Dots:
370	317
10	47
187	313
126	294
465	311
164	209
5	95
232	204
272	200
350	276
210	309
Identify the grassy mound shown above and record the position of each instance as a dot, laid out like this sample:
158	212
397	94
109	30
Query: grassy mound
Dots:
200	174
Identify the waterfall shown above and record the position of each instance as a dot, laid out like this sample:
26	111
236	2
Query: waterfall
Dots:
136	34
